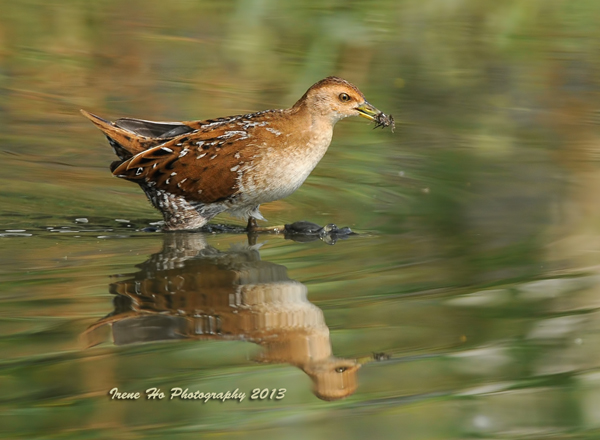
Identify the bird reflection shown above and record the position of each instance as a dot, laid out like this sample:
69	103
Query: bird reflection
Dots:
191	290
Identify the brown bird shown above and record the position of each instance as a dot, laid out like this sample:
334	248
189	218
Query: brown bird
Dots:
192	171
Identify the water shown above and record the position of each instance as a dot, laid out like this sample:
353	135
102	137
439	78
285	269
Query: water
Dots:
467	305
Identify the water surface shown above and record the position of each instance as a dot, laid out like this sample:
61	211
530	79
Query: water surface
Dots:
467	305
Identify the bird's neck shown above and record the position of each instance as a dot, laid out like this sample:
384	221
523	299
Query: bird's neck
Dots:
316	127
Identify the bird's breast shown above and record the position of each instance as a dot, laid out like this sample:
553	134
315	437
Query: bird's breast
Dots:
278	170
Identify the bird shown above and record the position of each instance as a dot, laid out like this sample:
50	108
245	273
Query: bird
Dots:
192	171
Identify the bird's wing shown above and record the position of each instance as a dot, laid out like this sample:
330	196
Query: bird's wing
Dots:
152	129
202	167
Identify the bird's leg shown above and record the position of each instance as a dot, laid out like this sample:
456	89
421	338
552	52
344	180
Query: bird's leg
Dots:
252	225
251	230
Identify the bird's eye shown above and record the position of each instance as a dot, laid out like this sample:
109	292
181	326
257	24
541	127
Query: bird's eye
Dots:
344	97
340	369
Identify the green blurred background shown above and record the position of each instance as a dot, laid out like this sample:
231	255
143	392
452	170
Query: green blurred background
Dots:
477	264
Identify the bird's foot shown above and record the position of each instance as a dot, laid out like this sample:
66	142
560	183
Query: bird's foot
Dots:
308	231
302	231
253	227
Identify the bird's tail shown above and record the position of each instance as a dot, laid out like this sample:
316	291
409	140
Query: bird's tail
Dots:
125	143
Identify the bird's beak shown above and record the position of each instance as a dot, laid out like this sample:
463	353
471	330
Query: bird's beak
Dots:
366	110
